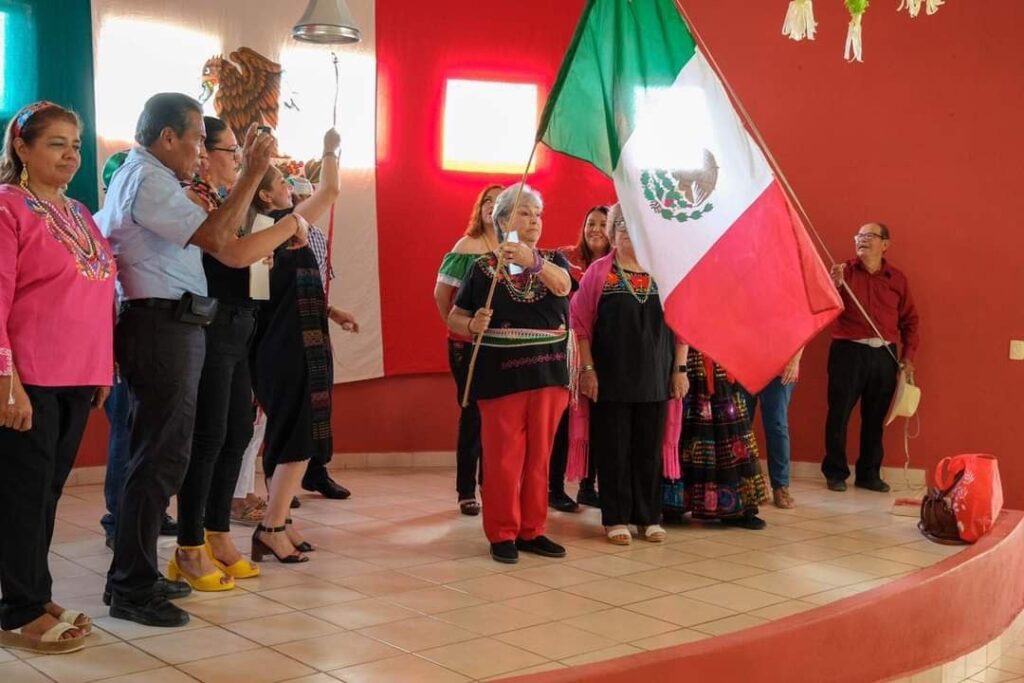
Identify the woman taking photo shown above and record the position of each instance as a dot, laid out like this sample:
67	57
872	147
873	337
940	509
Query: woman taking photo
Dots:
522	372
207	558
56	362
480	238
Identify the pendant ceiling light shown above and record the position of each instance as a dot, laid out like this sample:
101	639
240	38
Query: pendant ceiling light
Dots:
326	21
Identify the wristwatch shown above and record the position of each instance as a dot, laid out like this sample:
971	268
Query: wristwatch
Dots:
681	368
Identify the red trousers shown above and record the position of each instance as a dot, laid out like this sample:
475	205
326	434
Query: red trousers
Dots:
517	432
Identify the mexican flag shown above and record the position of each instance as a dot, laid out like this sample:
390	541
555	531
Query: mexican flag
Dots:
738	276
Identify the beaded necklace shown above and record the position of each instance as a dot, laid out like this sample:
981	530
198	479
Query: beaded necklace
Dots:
533	289
206	192
629	285
91	260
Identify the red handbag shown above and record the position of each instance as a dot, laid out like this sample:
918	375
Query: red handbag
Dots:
975	492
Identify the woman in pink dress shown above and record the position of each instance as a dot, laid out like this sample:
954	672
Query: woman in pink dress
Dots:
56	360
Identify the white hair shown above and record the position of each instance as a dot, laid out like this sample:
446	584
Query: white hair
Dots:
502	210
614	214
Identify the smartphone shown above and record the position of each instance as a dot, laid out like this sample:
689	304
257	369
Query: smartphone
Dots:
513	269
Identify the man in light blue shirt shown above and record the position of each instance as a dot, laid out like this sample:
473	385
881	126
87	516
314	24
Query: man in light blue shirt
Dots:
158	236
158	255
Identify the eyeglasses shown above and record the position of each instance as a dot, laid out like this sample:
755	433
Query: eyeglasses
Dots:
236	150
867	236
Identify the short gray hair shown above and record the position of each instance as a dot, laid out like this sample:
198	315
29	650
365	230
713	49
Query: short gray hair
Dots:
614	214
503	204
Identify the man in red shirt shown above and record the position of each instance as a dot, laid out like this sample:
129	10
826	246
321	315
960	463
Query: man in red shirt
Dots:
862	365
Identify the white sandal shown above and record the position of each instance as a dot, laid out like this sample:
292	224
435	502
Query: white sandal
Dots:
50	643
654	533
71	616
619	534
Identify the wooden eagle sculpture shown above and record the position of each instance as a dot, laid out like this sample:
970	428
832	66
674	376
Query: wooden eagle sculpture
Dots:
245	88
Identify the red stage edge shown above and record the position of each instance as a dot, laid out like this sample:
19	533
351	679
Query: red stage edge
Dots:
913	624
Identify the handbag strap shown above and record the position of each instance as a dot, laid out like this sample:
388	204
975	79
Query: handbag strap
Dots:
956	480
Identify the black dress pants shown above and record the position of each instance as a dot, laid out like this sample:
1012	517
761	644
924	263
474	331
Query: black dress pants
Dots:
162	360
625	441
469	449
857	372
33	468
223	426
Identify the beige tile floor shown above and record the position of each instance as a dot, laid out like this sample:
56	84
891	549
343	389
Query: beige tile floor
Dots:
402	589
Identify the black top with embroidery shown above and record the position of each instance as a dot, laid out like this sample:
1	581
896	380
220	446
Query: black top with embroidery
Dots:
632	346
522	302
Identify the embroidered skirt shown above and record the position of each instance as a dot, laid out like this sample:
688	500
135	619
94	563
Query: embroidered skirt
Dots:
721	476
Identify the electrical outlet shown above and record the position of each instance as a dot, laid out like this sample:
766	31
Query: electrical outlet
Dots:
1016	349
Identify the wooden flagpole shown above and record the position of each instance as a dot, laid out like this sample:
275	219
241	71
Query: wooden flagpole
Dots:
478	338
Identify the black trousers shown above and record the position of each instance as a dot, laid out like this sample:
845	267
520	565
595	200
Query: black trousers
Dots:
162	360
560	460
857	372
223	426
469	449
33	468
625	440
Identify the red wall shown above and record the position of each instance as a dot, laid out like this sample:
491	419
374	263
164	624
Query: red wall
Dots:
421	209
919	136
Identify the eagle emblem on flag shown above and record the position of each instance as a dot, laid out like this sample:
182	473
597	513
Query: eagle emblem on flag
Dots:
682	194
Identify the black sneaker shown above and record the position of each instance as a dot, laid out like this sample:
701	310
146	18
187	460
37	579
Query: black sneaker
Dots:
505	552
172	590
157	611
876	485
169	527
747	521
836	485
560	501
588	497
542	545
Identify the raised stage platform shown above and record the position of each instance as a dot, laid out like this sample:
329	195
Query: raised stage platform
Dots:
838	589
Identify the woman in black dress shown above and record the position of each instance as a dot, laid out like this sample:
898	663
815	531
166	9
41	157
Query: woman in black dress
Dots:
292	365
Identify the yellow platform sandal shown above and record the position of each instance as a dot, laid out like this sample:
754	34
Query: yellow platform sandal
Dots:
208	583
242	569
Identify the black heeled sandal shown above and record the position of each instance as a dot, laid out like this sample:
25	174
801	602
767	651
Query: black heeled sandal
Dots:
305	546
259	548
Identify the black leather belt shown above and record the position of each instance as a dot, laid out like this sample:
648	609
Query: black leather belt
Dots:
169	304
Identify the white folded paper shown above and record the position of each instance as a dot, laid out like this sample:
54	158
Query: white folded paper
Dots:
259	272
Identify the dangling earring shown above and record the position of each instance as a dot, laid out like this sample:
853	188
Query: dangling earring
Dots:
24	177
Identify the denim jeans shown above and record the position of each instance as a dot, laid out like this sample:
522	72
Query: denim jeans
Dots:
116	407
775	419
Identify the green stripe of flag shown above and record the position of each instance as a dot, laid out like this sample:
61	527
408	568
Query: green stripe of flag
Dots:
620	48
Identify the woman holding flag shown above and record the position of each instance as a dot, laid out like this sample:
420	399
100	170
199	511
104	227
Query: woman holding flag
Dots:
522	371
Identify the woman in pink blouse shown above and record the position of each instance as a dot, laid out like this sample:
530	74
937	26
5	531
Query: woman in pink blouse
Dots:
56	360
